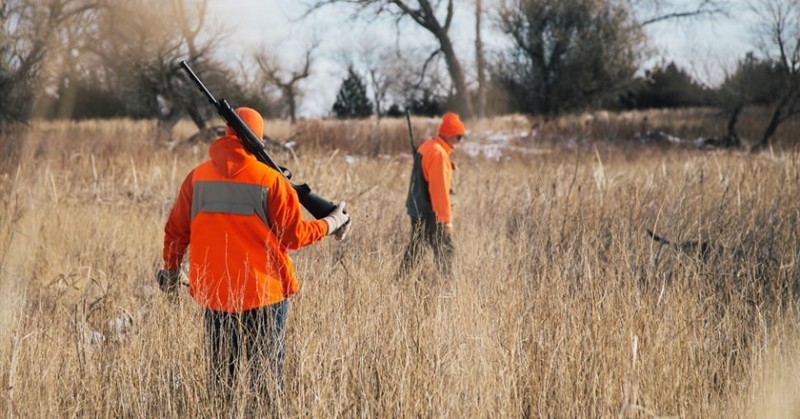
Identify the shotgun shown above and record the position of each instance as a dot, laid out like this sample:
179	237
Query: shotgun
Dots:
410	133
318	206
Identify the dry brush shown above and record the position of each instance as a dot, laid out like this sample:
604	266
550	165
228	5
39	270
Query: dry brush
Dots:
562	305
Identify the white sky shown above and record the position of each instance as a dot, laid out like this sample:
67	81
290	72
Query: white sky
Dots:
703	48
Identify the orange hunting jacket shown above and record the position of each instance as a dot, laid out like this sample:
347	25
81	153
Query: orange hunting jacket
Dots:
429	188
239	217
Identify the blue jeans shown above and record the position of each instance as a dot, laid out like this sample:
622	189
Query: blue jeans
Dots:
254	336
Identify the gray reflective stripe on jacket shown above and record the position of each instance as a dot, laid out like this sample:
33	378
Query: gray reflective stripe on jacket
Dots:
418	202
230	198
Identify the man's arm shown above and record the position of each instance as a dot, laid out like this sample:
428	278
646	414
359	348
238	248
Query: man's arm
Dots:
439	173
177	229
286	217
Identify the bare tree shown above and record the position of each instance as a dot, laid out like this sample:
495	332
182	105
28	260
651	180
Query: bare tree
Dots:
480	61
572	54
780	41
68	68
29	31
374	61
424	14
566	54
141	42
408	85
286	80
379	83
753	82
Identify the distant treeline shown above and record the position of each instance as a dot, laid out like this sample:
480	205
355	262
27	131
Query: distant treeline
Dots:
92	59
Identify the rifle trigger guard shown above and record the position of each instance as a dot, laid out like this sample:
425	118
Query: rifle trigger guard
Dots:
286	172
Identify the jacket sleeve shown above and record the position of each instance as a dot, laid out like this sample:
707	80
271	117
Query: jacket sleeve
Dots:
177	231
286	217
439	173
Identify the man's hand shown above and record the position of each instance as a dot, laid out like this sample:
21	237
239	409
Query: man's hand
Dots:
341	233
168	282
338	222
447	229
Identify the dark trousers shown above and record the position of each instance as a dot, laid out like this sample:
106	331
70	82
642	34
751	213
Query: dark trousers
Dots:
255	339
426	232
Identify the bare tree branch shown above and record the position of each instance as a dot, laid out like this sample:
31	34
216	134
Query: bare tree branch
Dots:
703	8
424	15
287	81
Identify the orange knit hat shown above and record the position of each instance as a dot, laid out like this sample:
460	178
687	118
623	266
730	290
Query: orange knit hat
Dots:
253	120
451	125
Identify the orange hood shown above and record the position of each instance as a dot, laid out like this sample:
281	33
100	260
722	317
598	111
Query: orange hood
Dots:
229	156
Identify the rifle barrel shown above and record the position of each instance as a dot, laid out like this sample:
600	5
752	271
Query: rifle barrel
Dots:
199	83
318	206
410	132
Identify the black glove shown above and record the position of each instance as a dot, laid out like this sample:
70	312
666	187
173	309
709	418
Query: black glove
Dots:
169	281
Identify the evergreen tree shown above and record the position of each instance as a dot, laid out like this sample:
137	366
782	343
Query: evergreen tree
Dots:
352	101
427	104
754	81
666	86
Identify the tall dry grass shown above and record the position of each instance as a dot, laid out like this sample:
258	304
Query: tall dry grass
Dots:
561	306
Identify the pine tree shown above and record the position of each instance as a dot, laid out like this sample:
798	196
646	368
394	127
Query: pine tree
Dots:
352	101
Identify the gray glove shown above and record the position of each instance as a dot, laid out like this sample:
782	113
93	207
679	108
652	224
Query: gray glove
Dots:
169	281
338	222
341	233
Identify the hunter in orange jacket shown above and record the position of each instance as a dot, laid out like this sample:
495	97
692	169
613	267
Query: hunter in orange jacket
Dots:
239	218
429	196
428	202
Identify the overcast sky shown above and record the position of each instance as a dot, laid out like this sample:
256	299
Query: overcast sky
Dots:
703	48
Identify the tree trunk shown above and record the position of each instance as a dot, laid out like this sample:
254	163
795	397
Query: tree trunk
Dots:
291	100
480	63
456	74
732	138
425	16
196	117
377	93
164	129
771	128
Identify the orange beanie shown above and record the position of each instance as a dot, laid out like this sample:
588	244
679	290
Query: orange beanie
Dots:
253	120
451	125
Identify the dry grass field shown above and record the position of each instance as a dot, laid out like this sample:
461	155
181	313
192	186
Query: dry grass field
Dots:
562	305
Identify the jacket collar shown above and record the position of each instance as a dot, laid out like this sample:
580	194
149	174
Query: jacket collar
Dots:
444	144
229	156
